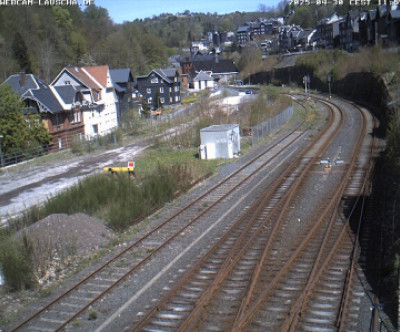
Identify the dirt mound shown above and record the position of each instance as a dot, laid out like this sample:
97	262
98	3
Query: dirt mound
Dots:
59	241
68	234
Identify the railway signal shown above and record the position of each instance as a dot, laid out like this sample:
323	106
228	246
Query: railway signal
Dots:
306	82
329	79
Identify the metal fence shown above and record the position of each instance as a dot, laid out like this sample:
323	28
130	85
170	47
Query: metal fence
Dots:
271	125
7	159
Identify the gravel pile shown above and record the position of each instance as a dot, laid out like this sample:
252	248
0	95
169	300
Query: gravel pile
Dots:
68	233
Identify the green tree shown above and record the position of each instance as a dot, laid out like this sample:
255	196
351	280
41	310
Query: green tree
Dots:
38	134
303	16
20	51
19	132
13	126
226	24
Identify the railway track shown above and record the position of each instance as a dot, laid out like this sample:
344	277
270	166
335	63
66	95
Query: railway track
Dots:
254	279
77	300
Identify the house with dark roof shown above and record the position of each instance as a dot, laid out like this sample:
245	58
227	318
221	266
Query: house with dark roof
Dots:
100	115
123	82
288	37
60	109
251	30
328	31
160	87
394	26
349	31
307	39
243	34
221	70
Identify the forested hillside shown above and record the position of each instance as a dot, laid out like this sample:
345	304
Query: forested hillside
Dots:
43	40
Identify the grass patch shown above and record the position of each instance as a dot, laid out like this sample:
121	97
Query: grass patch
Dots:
15	260
195	96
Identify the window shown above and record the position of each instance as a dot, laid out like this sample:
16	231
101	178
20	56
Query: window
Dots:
161	89
162	100
150	100
67	82
148	90
176	89
154	80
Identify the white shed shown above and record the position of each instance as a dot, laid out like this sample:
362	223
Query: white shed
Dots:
219	141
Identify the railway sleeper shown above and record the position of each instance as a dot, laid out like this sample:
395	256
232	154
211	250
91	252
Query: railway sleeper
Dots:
310	327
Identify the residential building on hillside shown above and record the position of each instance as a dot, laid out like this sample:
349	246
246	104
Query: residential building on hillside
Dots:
60	108
394	26
307	39
261	27
123	82
288	37
221	70
160	87
349	31
367	27
95	83
328	31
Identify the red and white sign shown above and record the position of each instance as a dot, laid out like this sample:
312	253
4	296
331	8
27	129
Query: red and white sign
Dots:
131	164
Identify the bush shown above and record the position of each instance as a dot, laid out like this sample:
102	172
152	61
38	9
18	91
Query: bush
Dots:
16	263
77	147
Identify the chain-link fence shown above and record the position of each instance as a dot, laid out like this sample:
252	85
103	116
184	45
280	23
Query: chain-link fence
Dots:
271	125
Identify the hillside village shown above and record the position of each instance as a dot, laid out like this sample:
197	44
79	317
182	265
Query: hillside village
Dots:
84	102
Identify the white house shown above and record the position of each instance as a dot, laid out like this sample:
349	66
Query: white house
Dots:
95	83
202	81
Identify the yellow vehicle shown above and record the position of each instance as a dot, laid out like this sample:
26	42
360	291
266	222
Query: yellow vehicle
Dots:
117	169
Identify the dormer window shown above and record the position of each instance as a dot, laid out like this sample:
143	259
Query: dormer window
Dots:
154	79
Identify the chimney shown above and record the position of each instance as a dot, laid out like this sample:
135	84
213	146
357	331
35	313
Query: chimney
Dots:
22	78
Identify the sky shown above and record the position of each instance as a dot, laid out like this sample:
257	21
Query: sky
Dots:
129	10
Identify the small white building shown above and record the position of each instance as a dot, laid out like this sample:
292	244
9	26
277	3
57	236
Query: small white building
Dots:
219	141
202	81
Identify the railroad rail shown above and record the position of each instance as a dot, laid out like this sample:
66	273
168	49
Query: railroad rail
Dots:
65	308
253	279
